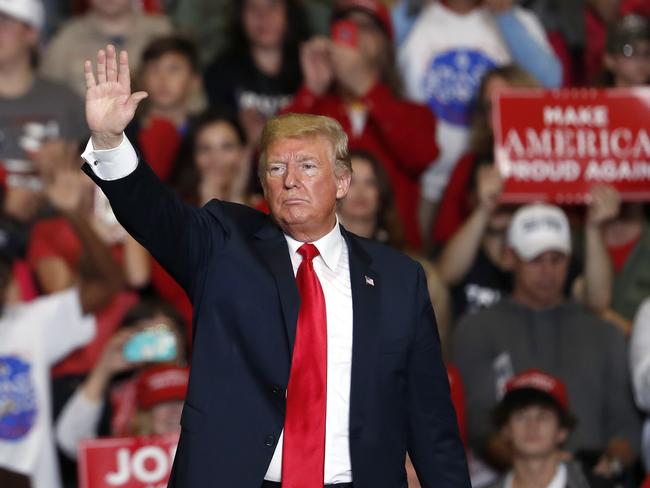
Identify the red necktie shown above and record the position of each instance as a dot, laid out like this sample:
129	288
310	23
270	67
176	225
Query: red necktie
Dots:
303	452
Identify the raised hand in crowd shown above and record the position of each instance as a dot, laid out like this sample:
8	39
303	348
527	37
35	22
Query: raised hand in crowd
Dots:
110	105
604	204
461	250
489	186
594	288
65	186
252	121
316	62
111	363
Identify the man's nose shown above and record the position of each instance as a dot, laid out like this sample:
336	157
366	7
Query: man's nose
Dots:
290	177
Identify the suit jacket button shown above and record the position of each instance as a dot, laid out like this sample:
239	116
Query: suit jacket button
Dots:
269	441
276	389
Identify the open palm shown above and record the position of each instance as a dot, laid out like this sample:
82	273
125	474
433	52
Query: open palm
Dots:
110	105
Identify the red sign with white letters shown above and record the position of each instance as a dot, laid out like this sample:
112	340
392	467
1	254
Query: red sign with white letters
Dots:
127	462
554	145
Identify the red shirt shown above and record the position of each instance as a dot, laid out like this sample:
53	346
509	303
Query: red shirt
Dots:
400	133
55	238
455	205
619	254
172	293
458	399
159	142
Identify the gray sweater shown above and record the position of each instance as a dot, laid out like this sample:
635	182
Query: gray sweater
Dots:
567	341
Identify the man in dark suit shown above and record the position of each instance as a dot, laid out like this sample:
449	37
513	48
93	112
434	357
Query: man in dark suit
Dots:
316	359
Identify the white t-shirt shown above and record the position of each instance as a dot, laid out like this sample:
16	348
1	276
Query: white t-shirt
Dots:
558	481
33	337
443	61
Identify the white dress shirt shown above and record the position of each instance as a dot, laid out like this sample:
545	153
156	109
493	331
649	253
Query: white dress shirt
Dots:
333	271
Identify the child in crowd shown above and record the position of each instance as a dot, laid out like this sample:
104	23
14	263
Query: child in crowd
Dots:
169	73
534	417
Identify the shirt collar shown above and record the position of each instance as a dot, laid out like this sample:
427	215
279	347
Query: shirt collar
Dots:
329	246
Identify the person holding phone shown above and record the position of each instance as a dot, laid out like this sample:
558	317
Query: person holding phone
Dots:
106	403
351	77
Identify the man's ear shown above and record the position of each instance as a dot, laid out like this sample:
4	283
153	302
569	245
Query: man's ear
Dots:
561	436
609	61
343	180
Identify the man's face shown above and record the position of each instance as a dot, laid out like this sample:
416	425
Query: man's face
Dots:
631	67
265	22
16	40
369	51
166	417
302	186
169	80
540	281
534	432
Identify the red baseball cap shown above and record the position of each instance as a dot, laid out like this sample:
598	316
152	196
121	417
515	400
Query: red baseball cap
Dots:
535	379
376	9
160	384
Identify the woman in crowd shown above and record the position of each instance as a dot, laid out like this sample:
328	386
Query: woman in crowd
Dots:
260	71
352	78
368	211
214	162
108	401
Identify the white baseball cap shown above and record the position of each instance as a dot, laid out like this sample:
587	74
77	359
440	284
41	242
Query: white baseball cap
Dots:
30	12
538	228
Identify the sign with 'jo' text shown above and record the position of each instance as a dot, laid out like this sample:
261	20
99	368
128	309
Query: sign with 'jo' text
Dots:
554	145
128	462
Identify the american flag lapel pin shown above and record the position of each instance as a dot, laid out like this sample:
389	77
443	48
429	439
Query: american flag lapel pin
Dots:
370	281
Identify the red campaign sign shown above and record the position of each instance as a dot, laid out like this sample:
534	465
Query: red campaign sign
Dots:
554	145
126	462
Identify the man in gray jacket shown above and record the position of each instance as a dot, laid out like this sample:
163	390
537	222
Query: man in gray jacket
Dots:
536	328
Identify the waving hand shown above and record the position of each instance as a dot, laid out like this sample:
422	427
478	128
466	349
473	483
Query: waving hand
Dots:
110	105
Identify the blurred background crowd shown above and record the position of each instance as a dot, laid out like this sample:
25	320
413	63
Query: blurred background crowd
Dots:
543	312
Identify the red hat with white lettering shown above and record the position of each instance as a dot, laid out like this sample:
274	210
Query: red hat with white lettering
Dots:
535	379
534	387
374	8
160	384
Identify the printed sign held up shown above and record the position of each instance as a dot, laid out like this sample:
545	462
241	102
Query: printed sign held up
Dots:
127	462
555	145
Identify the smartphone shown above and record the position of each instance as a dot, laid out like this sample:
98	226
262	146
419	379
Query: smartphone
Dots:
157	344
346	32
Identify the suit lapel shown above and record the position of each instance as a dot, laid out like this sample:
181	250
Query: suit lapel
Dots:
366	310
272	246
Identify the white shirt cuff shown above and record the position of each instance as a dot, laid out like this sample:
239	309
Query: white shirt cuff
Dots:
111	164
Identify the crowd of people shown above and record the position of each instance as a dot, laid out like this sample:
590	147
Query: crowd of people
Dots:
543	311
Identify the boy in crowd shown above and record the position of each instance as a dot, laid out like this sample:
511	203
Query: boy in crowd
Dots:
534	418
34	112
169	73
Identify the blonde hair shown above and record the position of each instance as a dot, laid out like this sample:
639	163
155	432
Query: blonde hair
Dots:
298	126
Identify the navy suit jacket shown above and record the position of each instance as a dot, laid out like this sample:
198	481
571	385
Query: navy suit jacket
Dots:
234	264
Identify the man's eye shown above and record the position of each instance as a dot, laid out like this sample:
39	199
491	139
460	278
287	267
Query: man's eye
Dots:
308	166
276	169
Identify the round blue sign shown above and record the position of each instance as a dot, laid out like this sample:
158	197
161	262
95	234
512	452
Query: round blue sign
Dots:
17	399
451	83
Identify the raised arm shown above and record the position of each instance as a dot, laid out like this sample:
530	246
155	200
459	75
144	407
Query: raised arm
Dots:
177	235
